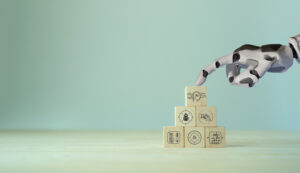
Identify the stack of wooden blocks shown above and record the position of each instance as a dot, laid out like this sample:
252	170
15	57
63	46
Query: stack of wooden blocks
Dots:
195	123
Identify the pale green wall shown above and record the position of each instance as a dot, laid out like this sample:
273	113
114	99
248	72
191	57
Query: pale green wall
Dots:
6	16
124	63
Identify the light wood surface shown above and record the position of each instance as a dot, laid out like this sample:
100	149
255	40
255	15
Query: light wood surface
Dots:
142	151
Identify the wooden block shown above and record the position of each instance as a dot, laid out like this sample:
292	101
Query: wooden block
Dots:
173	137
195	96
206	116
215	137
185	116
194	137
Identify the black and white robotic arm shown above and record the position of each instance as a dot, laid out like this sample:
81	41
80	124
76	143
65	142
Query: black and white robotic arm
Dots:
256	60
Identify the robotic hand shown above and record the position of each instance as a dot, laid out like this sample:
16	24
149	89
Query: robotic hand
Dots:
256	60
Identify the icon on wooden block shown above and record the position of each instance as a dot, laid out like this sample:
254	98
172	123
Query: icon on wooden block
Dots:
195	123
194	137
215	137
173	137
195	96
185	116
206	116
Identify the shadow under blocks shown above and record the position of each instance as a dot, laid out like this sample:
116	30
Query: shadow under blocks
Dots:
195	123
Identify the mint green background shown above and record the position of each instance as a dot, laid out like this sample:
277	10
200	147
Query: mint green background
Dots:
123	64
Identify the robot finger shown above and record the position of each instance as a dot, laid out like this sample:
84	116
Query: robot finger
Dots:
234	58
228	59
232	70
253	73
245	79
262	68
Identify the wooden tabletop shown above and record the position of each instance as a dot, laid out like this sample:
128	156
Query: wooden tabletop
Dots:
141	151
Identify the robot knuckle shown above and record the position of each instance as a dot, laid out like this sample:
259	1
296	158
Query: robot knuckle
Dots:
235	57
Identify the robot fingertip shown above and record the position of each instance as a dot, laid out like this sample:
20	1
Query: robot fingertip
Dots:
199	82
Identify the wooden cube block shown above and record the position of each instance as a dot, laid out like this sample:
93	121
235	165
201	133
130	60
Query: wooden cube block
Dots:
195	96
185	116
215	137
194	137
173	137
206	116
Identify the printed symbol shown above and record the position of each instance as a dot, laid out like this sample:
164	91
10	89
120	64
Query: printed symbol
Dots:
194	137
173	137
215	137
205	116
196	96
185	117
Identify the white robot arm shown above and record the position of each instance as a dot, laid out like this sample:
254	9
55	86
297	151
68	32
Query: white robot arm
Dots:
256	60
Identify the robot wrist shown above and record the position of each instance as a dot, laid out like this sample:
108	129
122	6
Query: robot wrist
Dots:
295	46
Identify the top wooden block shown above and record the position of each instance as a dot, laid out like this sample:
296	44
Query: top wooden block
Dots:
195	96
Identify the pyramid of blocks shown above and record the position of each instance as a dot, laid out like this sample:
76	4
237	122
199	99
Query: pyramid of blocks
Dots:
195	123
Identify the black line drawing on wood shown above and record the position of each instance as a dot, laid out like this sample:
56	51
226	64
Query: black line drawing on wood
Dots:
173	137
185	117
194	137
215	137
196	96
205	116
